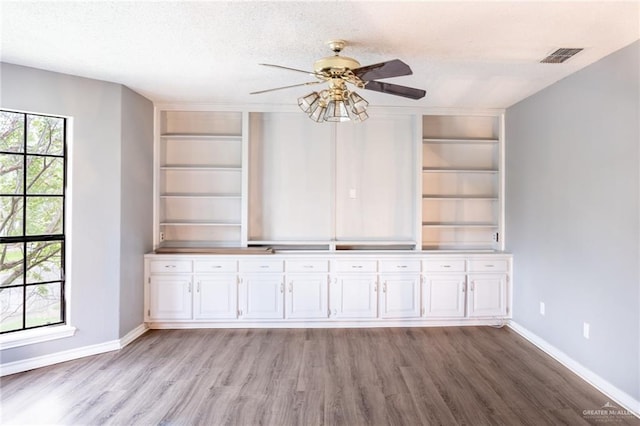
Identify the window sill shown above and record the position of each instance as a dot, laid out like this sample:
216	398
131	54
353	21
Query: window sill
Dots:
38	335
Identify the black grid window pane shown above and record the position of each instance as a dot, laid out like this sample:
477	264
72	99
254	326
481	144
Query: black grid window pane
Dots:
45	175
32	229
11	216
45	135
43	304
44	261
11	131
12	257
11	173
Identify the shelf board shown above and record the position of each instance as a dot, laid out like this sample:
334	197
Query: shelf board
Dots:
201	168
289	242
205	196
457	170
460	141
210	136
196	223
198	244
460	197
458	225
476	246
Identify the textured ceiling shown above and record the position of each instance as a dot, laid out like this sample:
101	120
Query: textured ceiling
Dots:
465	54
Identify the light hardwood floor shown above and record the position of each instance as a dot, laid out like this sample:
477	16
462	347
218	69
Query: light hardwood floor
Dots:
396	376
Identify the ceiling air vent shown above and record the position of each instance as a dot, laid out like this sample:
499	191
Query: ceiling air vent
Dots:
560	55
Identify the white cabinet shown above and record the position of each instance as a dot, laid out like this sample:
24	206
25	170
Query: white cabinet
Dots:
400	296
261	296
216	297
354	296
487	295
317	290
307	296
400	285
443	296
170	297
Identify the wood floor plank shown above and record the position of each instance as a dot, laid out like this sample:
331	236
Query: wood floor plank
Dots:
381	376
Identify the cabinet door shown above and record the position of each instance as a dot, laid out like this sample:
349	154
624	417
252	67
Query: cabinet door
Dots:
443	296
400	297
354	296
487	295
307	296
216	297
170	297
262	296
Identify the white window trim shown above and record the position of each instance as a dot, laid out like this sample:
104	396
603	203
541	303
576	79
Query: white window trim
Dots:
36	335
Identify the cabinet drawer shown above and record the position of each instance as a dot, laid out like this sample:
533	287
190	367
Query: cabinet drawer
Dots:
169	266
307	265
215	266
489	265
261	266
444	265
400	265
353	266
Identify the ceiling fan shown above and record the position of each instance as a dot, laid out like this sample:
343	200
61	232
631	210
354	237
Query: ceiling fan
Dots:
338	103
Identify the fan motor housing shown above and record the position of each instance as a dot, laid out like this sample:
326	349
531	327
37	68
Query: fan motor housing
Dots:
335	63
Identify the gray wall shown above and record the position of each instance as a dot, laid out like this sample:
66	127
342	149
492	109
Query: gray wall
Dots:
573	216
136	209
95	171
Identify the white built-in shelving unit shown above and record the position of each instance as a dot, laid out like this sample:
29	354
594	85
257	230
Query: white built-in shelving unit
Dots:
199	182
400	181
461	182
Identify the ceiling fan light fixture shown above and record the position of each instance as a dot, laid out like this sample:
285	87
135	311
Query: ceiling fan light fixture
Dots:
357	117
309	102
317	114
337	105
336	111
357	102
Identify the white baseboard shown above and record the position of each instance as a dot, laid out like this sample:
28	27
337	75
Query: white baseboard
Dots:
133	335
374	323
71	354
619	396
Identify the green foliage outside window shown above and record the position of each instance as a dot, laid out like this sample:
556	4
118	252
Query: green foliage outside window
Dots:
32	190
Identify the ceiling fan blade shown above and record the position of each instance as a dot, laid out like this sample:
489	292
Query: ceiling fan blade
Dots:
286	87
292	69
393	68
395	89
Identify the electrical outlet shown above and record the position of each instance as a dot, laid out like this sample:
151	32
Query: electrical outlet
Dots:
352	193
542	308
586	329
162	236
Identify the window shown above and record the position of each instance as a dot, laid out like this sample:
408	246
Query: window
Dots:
32	229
